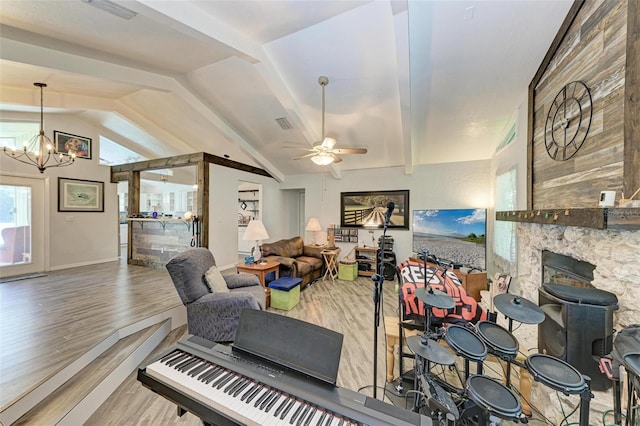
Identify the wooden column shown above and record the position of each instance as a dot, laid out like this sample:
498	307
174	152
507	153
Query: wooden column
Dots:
202	211
133	177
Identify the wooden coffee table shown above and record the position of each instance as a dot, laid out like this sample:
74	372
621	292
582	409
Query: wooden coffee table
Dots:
261	270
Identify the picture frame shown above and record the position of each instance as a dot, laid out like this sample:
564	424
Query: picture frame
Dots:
501	283
79	195
67	143
368	209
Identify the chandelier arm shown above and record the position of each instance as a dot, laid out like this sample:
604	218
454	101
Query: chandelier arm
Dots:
45	147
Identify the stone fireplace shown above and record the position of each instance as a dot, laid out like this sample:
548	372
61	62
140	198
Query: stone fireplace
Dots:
565	270
615	257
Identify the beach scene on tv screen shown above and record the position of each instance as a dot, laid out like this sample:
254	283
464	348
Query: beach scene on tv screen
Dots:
455	235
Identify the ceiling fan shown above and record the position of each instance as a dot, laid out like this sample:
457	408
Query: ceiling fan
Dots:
324	153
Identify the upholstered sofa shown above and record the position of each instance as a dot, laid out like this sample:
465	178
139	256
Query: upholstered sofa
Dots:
295	258
212	315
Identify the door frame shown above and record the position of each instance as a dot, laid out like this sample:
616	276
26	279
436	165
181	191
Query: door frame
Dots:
40	230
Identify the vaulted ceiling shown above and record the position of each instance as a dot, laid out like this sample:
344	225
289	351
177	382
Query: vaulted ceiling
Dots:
414	82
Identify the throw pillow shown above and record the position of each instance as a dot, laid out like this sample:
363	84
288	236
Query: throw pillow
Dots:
216	281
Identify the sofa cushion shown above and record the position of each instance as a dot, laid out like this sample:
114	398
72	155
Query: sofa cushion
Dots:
216	282
314	262
292	247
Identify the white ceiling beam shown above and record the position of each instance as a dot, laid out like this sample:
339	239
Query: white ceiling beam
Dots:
401	22
420	17
60	60
193	99
196	21
79	103
54	99
45	57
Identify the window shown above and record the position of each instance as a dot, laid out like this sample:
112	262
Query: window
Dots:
17	134
15	224
113	153
504	239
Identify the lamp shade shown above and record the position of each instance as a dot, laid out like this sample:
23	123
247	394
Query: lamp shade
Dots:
313	225
255	231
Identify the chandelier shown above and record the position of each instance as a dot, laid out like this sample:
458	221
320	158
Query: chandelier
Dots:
40	151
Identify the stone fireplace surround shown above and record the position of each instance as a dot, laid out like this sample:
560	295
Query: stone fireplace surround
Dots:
616	255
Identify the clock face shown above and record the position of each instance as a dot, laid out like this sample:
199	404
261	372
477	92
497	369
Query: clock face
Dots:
568	121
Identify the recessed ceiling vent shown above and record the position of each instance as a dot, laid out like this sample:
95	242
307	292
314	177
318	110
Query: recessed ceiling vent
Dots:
284	123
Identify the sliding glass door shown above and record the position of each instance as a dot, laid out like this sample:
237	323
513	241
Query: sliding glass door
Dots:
21	225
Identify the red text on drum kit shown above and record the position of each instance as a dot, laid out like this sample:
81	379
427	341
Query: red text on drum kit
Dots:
413	277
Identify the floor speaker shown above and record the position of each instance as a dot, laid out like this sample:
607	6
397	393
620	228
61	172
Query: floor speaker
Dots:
578	327
389	265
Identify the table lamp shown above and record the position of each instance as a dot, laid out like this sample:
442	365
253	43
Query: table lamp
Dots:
255	231
314	226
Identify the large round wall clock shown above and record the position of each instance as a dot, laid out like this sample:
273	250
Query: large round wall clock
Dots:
568	121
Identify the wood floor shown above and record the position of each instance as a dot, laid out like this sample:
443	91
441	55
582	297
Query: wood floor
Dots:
343	306
49	322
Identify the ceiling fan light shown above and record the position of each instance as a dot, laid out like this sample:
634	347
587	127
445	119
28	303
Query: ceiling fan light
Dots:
322	159
329	142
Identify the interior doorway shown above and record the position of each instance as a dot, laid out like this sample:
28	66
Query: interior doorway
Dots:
249	208
22	223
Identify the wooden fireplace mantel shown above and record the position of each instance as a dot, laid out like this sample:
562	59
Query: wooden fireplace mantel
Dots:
622	219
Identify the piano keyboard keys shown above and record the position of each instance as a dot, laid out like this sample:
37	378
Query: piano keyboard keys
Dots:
237	396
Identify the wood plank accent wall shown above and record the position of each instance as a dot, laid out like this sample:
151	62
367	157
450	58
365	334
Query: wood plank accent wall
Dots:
597	45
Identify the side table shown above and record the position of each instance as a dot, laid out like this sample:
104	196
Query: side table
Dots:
261	270
331	263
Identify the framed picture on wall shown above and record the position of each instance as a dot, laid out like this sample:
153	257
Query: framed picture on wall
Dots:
77	195
67	143
368	209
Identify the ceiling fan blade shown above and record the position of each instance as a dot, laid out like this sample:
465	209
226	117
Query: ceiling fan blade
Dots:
336	159
349	151
305	156
301	148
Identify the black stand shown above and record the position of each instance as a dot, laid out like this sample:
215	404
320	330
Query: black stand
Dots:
378	279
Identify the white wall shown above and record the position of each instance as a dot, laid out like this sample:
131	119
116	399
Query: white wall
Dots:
440	186
74	238
223	221
85	238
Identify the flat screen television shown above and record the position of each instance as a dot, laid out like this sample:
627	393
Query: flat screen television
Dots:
455	235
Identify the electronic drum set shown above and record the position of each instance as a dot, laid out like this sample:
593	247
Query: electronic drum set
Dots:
484	400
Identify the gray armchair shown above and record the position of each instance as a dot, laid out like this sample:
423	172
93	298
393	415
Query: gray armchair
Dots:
212	316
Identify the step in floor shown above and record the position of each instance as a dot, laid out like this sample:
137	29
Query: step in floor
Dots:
80	392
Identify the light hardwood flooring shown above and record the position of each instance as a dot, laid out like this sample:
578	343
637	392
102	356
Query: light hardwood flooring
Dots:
47	323
343	306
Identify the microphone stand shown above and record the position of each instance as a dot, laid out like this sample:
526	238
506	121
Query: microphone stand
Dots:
378	279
